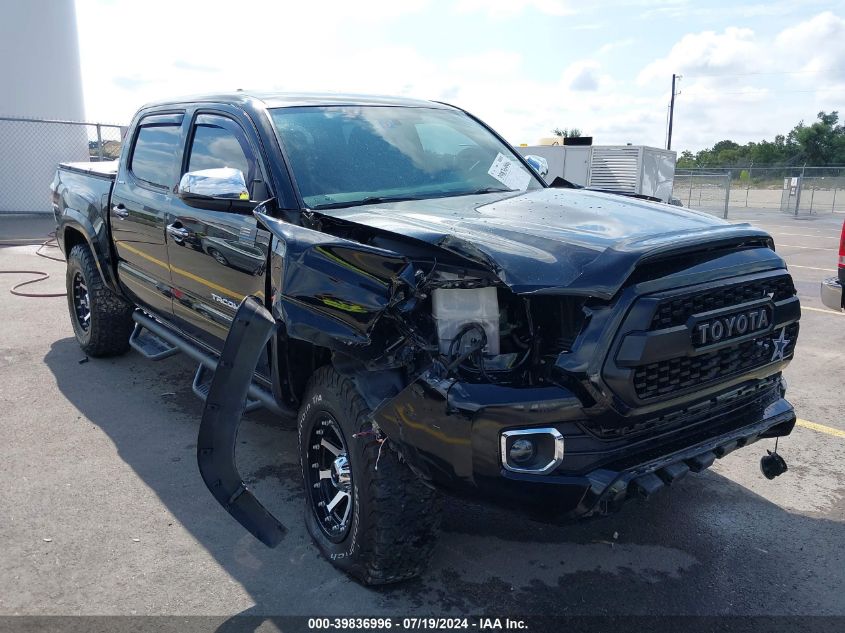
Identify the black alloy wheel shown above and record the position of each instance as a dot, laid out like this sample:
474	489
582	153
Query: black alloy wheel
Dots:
330	478
81	302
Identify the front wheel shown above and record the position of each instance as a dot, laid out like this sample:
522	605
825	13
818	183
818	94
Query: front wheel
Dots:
367	512
102	321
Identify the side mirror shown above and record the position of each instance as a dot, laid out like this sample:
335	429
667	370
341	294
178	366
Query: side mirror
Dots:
223	183
540	164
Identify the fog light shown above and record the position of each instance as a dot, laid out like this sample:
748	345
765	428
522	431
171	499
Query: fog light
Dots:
538	451
522	451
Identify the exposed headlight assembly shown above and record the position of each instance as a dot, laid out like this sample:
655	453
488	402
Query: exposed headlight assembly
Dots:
455	308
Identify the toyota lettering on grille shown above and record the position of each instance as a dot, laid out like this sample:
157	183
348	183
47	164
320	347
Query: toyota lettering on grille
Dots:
732	326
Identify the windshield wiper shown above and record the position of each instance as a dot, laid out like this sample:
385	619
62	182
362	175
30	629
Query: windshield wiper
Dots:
491	190
431	196
478	192
365	201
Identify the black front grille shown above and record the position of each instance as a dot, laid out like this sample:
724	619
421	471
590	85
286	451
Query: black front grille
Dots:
677	374
750	398
677	310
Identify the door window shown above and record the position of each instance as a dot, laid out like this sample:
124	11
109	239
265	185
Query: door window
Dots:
219	142
152	155
215	147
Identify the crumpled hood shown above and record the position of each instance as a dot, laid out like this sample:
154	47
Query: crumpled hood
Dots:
580	241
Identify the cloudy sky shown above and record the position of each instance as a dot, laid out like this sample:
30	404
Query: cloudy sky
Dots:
750	69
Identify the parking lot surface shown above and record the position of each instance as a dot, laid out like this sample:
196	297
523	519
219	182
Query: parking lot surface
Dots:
104	512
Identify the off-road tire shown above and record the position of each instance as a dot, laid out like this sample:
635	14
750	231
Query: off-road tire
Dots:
110	321
395	517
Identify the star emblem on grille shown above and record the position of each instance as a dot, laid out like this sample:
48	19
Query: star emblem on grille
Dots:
780	345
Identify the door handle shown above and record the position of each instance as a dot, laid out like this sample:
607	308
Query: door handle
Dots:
120	211
177	231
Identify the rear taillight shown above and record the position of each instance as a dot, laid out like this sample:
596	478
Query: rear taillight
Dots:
842	247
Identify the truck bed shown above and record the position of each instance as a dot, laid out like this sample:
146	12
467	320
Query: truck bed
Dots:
81	193
105	169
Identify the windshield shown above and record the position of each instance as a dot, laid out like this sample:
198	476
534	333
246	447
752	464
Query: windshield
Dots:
348	155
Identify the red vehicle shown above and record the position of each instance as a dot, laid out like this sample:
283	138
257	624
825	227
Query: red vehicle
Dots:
831	289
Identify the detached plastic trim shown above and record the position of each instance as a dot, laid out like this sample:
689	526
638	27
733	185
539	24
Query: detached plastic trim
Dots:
227	397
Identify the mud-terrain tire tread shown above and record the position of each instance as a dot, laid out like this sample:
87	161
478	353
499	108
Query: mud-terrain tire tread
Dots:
403	513
111	315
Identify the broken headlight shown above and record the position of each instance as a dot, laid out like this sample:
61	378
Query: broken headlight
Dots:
456	308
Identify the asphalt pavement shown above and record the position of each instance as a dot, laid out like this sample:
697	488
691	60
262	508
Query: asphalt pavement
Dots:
102	509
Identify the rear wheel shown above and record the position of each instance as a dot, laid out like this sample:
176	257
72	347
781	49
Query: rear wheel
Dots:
367	512
102	321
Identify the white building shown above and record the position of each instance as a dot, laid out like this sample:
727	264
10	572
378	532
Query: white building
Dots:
40	78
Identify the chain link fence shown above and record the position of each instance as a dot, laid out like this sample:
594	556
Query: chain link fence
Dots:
703	191
30	150
799	191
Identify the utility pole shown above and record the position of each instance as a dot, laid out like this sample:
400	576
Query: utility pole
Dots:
672	110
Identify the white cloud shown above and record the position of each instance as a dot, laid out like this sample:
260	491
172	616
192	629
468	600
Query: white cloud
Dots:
687	11
732	51
203	48
741	85
342	46
582	76
821	43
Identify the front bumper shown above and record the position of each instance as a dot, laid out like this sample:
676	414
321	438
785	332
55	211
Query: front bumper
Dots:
831	293
452	440
604	490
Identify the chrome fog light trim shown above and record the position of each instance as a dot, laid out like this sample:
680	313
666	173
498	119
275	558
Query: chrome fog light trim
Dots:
541	469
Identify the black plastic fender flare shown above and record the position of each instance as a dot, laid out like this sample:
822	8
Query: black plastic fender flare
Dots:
221	418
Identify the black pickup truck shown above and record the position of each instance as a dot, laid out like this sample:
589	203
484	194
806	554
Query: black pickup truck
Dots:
390	276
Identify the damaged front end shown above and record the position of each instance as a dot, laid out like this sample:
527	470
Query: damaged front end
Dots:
381	317
386	321
521	393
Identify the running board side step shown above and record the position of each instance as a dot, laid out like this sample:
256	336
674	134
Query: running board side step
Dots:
202	385
227	396
159	342
150	346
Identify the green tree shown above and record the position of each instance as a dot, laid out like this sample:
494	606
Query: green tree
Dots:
566	132
818	142
821	143
767	152
686	160
723	145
